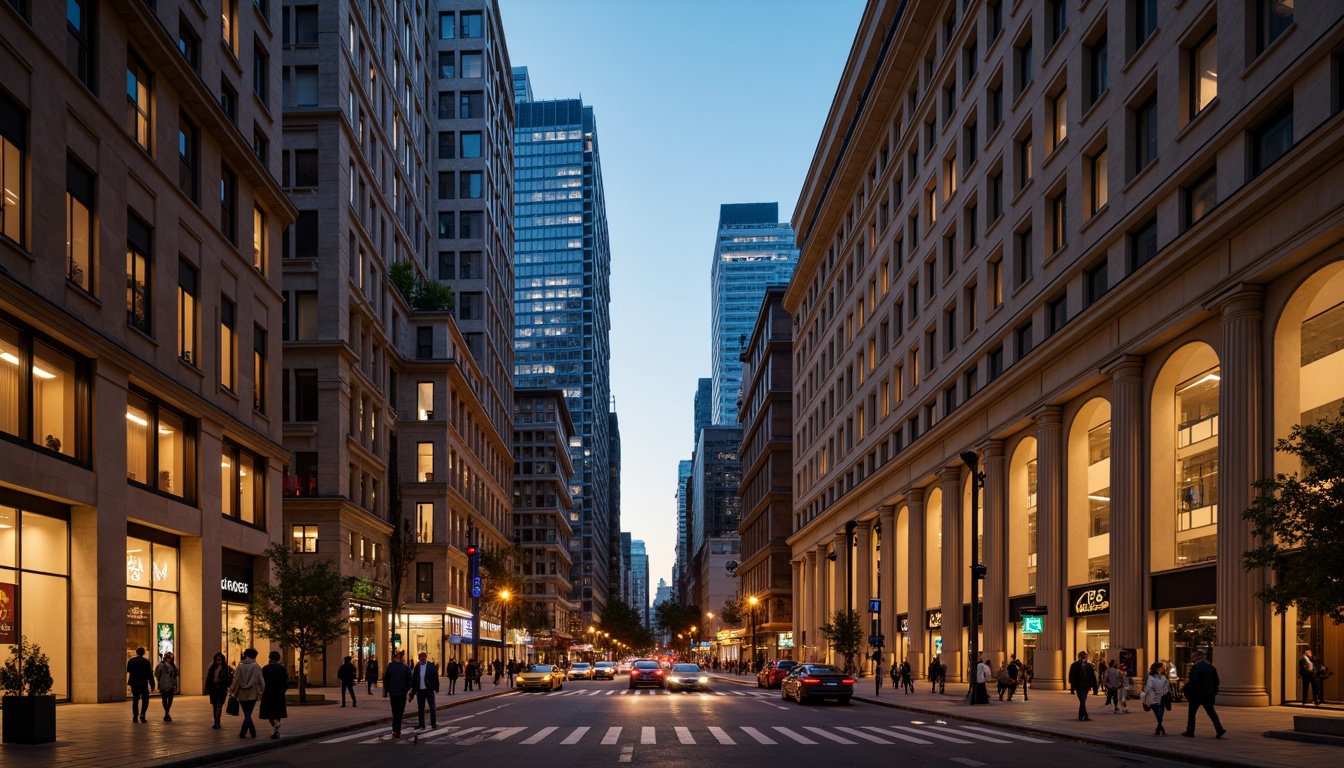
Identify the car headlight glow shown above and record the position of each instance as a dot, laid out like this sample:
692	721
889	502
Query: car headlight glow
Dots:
704	679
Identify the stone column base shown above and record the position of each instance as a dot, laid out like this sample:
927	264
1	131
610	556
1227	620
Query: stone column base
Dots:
1048	671
1241	675
918	666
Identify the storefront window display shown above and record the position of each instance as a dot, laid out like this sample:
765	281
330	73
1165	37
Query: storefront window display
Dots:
424	634
35	586
235	590
1197	468
1182	630
151	593
366	626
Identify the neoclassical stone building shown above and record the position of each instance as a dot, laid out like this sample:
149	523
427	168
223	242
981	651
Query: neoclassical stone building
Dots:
1101	247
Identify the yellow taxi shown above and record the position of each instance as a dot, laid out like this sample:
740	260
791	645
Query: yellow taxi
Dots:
541	677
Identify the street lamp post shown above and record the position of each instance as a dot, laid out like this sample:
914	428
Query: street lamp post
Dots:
752	601
972	460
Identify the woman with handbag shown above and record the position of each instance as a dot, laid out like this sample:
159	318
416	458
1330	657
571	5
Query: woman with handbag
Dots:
1157	695
166	677
218	678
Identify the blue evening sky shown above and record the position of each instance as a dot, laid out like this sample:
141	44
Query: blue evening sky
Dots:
698	103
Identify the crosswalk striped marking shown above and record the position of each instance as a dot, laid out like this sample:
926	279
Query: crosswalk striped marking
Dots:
360	735
862	735
982	737
610	692
798	737
647	736
757	735
574	737
1018	736
721	735
595	693
539	735
613	734
900	736
684	735
931	733
504	733
825	734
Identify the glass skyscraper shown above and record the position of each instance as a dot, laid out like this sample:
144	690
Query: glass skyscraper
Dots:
753	250
562	311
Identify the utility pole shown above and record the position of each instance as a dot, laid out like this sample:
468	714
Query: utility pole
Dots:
978	569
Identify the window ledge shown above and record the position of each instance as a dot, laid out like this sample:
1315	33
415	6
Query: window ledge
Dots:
1055	151
1093	107
1190	124
1138	52
1263	55
1087	223
1138	177
78	290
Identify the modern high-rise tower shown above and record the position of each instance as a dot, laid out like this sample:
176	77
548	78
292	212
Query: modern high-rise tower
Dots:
753	250
562	298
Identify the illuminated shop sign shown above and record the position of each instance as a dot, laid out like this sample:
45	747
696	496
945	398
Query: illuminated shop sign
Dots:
1088	601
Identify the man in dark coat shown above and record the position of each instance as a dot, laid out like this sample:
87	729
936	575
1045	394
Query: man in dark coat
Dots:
346	674
371	675
473	674
1082	679
454	671
276	680
140	677
425	681
397	688
1200	689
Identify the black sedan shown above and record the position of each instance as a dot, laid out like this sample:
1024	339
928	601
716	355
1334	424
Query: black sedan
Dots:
806	682
687	677
647	672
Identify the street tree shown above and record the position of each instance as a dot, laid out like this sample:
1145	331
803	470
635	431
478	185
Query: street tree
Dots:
731	614
1298	521
677	619
503	587
844	633
625	625
302	606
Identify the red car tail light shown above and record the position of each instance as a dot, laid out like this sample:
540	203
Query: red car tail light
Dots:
848	681
658	672
812	680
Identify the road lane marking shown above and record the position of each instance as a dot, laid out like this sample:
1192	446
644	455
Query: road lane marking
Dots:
539	735
627	752
825	734
721	735
504	733
869	737
647	736
595	693
610	692
360	735
757	735
931	733
798	737
1017	736
613	734
574	737
684	735
967	761
981	736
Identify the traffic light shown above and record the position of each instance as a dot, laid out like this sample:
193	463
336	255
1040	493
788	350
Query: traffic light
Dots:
471	550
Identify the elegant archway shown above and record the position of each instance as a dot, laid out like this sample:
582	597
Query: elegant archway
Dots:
1087	527
1022	518
933	569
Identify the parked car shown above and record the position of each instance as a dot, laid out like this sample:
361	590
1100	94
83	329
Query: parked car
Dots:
623	667
541	677
687	677
773	673
604	670
806	682
647	672
581	670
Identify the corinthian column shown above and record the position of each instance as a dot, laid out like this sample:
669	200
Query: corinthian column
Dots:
799	602
1240	653
822	601
949	480
840	585
914	581
886	573
812	577
1126	591
1050	585
996	551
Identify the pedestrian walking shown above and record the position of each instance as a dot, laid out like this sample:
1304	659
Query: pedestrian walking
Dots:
248	685
166	676
982	676
877	676
1124	688
346	674
934	669
895	675
426	682
1113	679
1200	689
140	678
1014	675
498	666
1001	678
454	671
1157	695
397	688
218	679
276	681
510	670
1082	679
472	674
907	677
1323	673
371	675
1306	669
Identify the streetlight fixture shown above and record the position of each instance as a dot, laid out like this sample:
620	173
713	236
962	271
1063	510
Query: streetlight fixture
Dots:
752	601
972	460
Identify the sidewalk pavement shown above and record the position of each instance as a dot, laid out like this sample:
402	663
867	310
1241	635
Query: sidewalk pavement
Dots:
102	736
1055	713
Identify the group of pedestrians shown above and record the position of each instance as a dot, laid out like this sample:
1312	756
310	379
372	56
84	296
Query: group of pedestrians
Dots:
1200	690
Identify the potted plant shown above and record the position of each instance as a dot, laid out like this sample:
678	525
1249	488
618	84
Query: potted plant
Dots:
29	708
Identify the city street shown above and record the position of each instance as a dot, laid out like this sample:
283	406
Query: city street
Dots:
602	722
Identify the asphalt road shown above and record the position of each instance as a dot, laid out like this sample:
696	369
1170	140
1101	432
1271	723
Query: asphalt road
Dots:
598	723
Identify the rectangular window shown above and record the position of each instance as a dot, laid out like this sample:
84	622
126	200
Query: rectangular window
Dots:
424	343
305	235
305	316
996	283
79	239
1272	19
1098	69
160	448
259	369
1057	18
1271	139
243	485
1145	133
228	101
994	17
228	345
1023	338
1025	257
447	145
471	186
1100	179
305	25
81	26
305	168
228	204
447	102
1095	283
1203	73
261	72
1059	118
301	478
139	85
424	582
470	142
1142	244
473	64
995	106
188	157
1056	314
1026	166
305	395
304	538
189	44
447	26
228	13
447	185
972	224
13	143
1024	66
305	86
424	462
447	70
1145	21
424	523
188	312
994	363
1200	198
1059	224
995	194
473	225
447	230
471	104
472	26
139	287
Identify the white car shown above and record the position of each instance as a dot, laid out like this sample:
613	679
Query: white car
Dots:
581	671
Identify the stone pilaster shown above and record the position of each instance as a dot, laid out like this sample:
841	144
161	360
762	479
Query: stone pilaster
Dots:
995	501
811	567
1240	653
1127	593
887	581
915	581
1050	583
799	600
841	586
954	541
822	610
863	582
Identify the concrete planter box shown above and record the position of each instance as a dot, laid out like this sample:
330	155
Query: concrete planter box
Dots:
29	719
